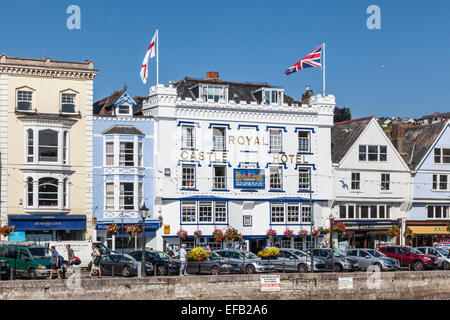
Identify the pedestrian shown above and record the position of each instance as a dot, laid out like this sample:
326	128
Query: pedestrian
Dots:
183	261
70	256
96	257
208	249
54	263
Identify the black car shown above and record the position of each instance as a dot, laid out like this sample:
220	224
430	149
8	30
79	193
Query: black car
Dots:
121	264
5	270
214	264
165	264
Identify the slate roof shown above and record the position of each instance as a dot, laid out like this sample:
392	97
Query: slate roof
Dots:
344	135
122	129
445	115
418	139
104	107
237	91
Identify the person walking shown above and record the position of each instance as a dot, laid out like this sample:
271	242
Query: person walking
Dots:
208	248
70	256
96	257
54	263
183	261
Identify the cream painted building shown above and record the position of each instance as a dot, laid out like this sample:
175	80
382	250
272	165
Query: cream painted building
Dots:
46	148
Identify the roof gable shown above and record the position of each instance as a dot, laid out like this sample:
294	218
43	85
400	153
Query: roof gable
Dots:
123	129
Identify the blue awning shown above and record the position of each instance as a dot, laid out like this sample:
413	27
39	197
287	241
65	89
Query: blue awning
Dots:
149	226
25	223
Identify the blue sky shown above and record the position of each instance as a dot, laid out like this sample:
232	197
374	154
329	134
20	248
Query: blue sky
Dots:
402	69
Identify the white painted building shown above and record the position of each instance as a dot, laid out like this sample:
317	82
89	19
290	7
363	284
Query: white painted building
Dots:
239	155
372	184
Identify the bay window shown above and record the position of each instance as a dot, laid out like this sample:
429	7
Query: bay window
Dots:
48	192
126	200
48	145
126	154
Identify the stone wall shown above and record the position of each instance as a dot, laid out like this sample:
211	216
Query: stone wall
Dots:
390	285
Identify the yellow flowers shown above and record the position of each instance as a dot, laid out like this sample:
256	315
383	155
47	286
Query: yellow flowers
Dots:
198	254
269	252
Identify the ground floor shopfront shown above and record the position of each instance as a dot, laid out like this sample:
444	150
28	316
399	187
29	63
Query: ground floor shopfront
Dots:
364	234
123	242
428	233
48	228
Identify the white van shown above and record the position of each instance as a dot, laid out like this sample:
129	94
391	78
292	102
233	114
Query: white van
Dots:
81	249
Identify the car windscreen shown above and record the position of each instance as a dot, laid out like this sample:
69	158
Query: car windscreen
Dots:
298	253
415	251
442	251
162	255
249	255
375	253
39	253
338	253
214	256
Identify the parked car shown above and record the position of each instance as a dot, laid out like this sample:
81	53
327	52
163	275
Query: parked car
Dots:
165	264
369	257
121	264
441	254
249	262
29	261
174	253
214	264
409	257
335	260
5	270
295	260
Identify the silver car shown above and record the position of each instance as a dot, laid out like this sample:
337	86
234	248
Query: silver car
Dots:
250	262
369	257
297	261
441	254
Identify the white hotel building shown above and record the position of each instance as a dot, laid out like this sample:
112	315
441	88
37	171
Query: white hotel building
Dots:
239	155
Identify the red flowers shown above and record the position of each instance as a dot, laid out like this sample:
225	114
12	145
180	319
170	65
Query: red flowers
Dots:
339	227
6	231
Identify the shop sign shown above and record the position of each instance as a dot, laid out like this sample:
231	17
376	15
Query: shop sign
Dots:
270	282
249	178
345	283
167	229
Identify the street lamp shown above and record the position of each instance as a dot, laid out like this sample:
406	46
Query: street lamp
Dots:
143	211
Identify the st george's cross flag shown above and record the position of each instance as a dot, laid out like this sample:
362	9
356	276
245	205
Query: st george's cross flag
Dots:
151	51
314	59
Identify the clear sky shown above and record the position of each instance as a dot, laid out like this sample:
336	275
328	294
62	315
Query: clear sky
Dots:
402	69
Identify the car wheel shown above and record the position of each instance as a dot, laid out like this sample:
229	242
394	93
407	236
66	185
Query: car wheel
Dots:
161	270
380	267
250	269
338	267
32	274
418	265
446	265
215	270
302	268
126	272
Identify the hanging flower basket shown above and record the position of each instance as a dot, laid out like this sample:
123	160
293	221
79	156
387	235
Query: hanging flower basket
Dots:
132	230
303	233
315	233
269	253
394	231
408	233
112	228
182	234
198	234
232	235
6	231
323	231
339	227
198	254
271	234
218	235
289	233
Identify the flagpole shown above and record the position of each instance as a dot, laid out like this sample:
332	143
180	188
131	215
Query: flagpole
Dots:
157	56
323	68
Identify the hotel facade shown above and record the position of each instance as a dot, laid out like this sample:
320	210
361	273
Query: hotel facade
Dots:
242	155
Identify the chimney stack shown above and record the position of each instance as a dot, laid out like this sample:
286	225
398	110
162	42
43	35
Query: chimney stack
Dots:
212	75
306	97
398	137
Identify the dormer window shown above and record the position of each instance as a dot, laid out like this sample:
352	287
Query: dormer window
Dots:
68	103
272	97
124	109
210	93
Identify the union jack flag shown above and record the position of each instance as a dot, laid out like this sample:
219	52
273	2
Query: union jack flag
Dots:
314	59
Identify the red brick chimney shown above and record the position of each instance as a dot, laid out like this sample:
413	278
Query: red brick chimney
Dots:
212	75
398	139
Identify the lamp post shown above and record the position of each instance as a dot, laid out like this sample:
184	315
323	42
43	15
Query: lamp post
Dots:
121	236
143	211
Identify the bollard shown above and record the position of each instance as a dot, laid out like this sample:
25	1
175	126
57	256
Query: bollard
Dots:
11	273
112	272
284	271
155	272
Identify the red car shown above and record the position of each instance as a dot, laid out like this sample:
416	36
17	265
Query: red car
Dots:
410	257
